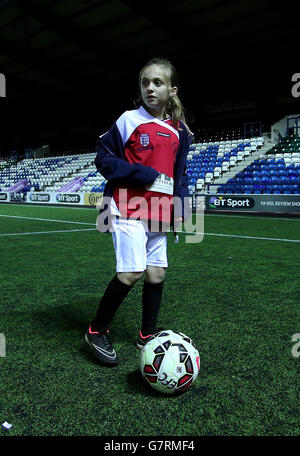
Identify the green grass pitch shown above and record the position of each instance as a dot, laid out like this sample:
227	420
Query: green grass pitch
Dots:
236	297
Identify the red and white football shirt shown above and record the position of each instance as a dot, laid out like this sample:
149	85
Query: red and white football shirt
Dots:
151	142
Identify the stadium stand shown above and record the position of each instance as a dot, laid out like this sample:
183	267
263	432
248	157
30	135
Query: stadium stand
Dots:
235	166
278	172
52	173
209	161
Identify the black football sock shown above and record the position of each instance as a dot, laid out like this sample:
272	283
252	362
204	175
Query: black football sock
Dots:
151	298
114	294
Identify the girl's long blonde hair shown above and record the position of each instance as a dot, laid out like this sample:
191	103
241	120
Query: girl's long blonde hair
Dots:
174	108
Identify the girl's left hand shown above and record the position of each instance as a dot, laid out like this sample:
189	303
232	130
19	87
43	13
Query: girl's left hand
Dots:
178	219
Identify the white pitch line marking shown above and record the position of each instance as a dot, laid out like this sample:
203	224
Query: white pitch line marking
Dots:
242	237
46	220
92	229
46	232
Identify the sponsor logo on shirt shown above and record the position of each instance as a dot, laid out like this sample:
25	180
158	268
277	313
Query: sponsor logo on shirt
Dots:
167	135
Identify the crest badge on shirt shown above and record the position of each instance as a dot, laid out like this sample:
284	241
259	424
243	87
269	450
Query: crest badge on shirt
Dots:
144	139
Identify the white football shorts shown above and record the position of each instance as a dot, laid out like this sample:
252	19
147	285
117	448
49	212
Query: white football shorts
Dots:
136	247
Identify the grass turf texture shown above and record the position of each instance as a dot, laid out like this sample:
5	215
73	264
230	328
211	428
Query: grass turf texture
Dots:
238	299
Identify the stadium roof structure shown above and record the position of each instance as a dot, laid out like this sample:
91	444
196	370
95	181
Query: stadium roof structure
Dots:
76	62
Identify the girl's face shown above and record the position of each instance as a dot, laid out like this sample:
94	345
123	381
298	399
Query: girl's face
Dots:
156	89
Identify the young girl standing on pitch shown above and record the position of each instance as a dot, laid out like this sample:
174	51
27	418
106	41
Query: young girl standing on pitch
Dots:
143	157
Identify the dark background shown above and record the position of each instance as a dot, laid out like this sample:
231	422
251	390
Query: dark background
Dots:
71	67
